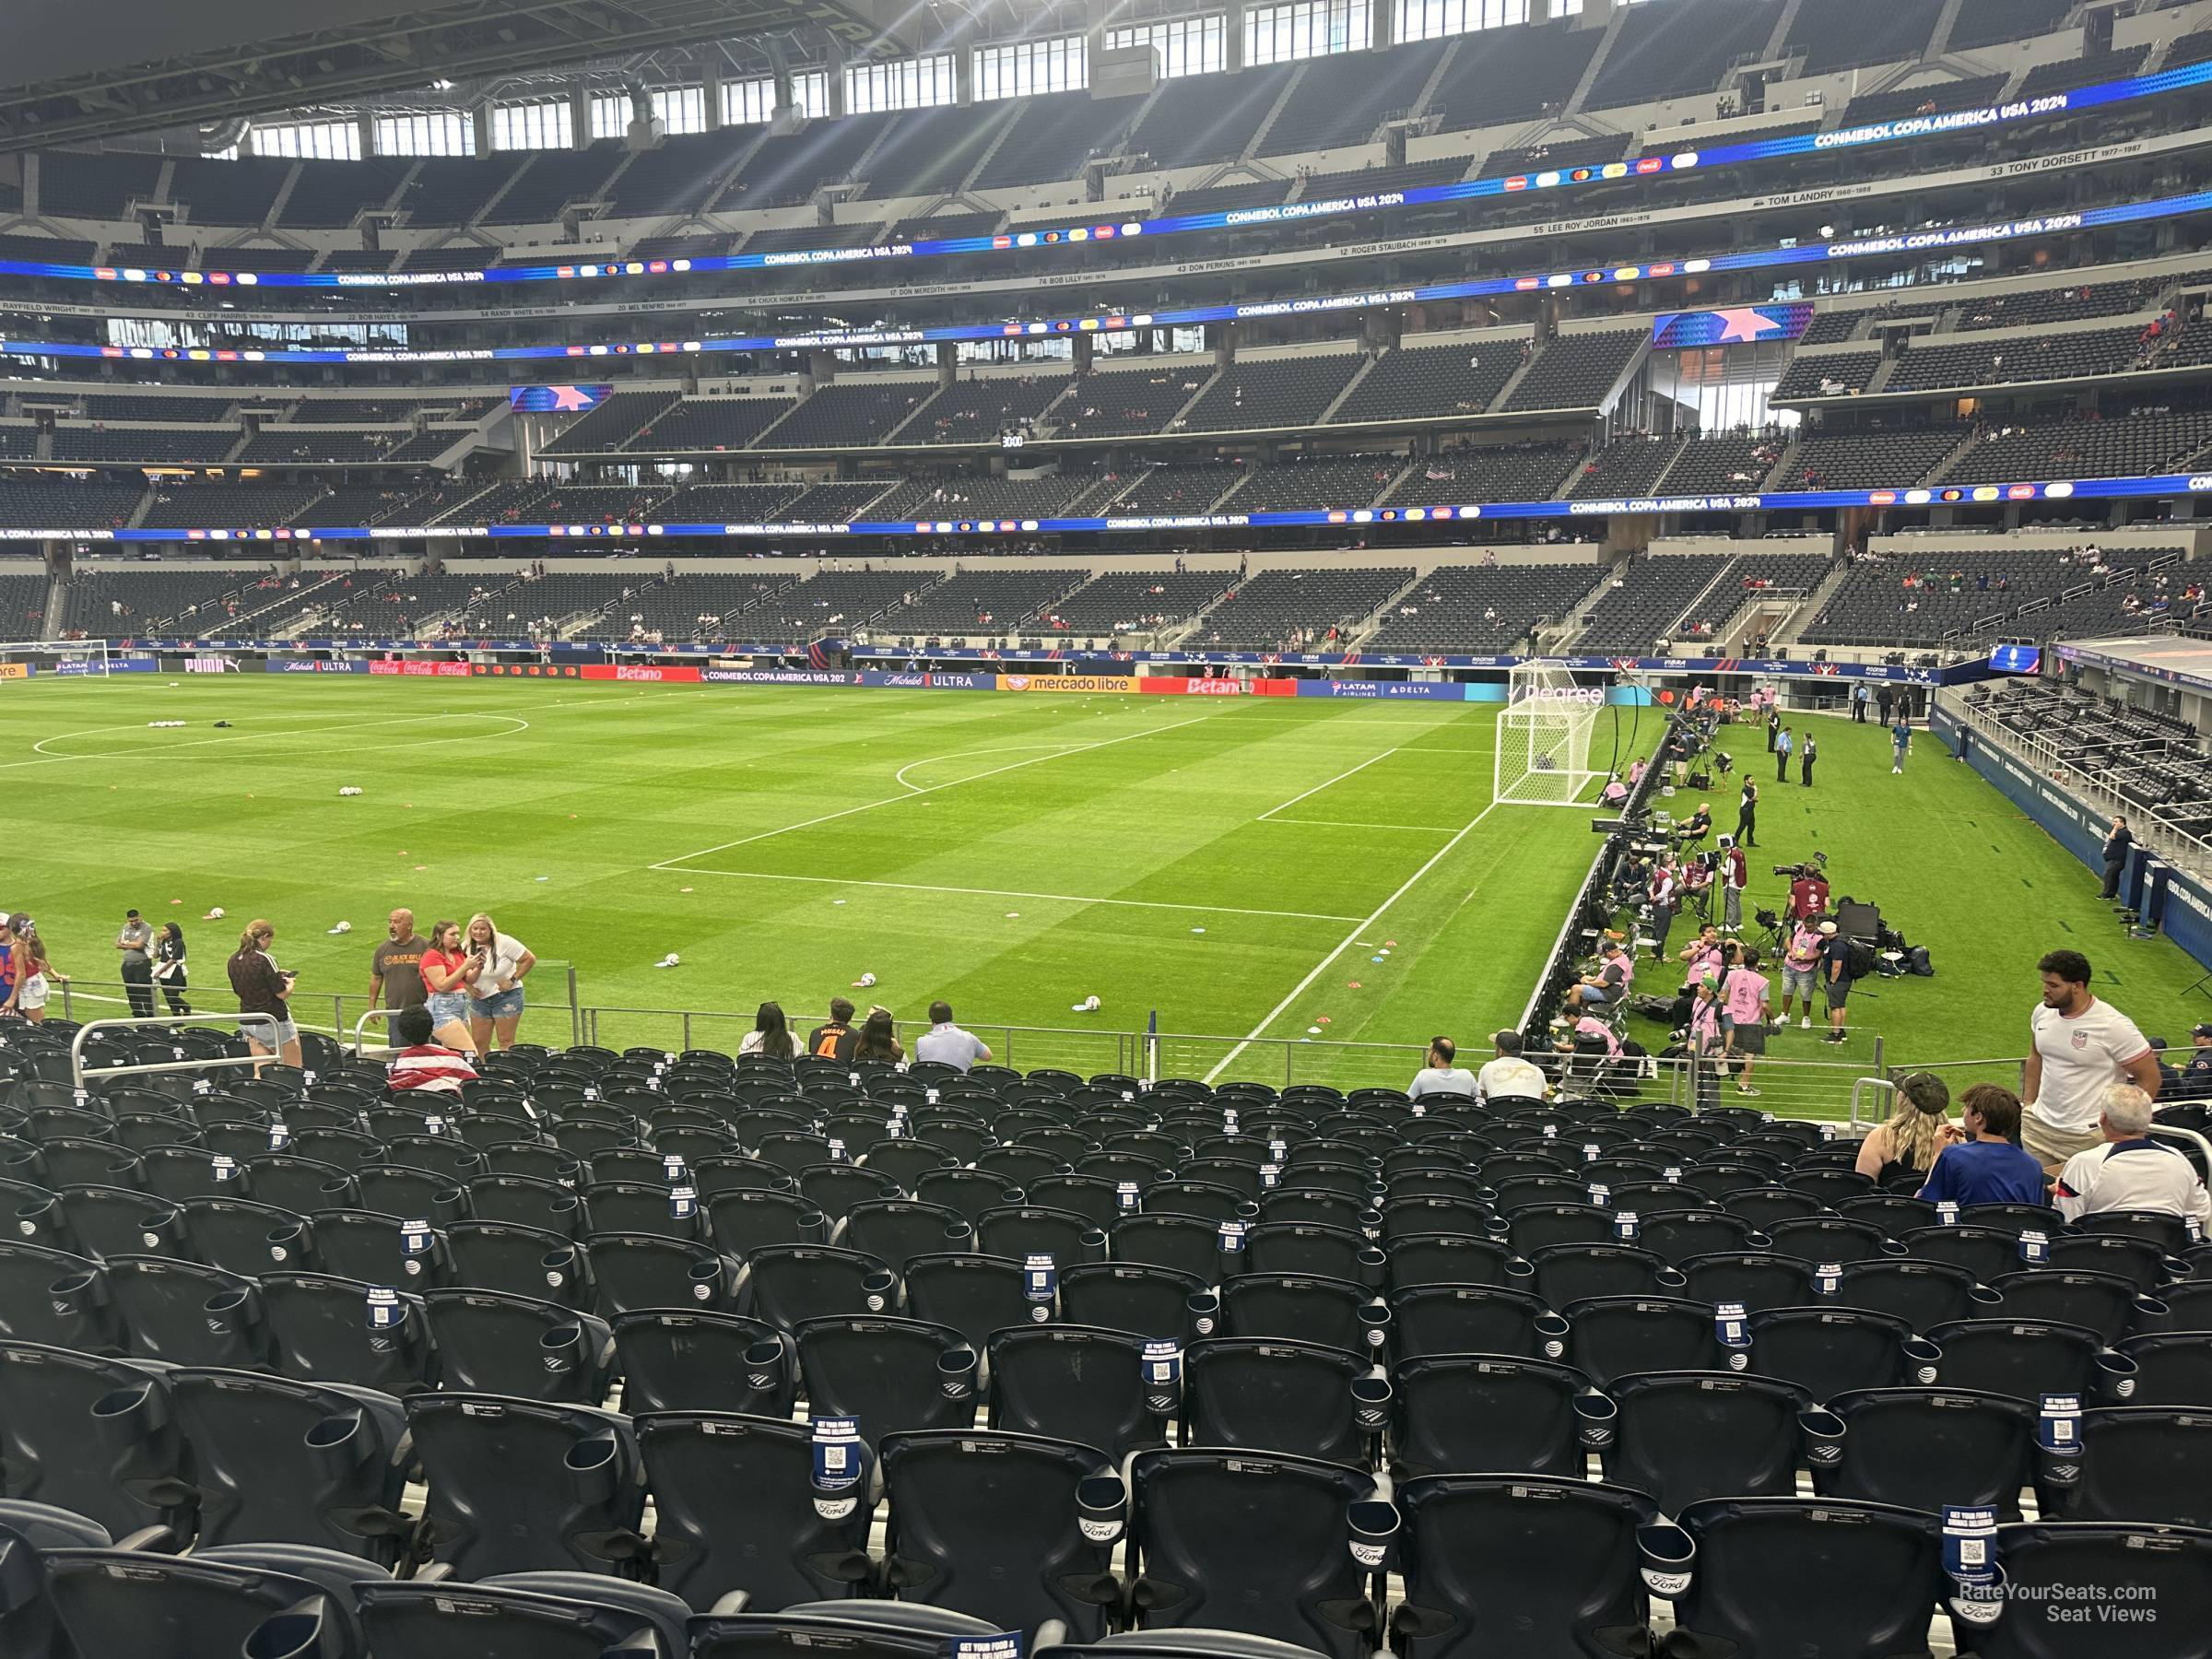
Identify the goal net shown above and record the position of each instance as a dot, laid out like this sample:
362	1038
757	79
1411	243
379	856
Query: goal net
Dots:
36	659
1543	756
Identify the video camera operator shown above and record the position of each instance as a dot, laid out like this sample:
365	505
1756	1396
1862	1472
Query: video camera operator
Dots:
1808	888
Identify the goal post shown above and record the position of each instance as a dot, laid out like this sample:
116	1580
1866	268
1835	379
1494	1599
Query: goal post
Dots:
1542	753
36	659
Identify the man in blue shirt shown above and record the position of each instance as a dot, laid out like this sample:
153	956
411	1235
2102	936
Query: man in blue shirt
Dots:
1986	1167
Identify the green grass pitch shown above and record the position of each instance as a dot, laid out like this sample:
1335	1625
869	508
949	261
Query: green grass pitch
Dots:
1238	865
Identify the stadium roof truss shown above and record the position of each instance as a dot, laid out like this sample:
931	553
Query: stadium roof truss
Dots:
399	51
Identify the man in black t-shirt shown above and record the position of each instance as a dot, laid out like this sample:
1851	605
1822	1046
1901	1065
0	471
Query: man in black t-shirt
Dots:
1834	974
396	971
2115	855
834	1041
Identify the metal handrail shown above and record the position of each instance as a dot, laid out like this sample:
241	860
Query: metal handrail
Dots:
77	1073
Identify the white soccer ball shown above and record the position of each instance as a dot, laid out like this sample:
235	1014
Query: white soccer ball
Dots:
216	914
343	928
864	981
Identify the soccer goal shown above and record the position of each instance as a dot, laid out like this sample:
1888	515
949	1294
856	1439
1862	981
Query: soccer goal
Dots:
1543	756
32	659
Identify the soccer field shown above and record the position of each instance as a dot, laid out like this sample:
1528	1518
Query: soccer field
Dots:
1246	867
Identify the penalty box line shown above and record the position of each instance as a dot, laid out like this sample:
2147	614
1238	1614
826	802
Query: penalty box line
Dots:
917	887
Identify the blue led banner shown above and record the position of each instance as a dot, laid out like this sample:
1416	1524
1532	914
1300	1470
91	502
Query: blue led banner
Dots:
1066	236
2164	486
1931	241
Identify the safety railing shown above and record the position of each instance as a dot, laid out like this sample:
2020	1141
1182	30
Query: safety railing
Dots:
1086	1050
307	1007
79	1074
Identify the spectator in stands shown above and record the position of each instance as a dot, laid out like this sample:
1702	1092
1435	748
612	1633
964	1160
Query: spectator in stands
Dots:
770	1035
418	1065
1835	978
1441	1074
132	941
2192	1081
2116	844
1980	1164
1918	1129
1507	1077
878	1039
2079	1044
265	988
498	966
396	966
8	963
445	967
833	1040
1610	983
1800	966
34	971
169	972
946	1044
1783	745
1900	743
1805	756
1747	814
2127	1170
1745	998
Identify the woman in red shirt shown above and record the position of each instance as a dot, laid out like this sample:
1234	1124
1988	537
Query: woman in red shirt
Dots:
443	966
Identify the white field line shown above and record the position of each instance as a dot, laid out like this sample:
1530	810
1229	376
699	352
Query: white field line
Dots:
744	840
914	887
1350	824
1340	777
899	777
519	724
1349	939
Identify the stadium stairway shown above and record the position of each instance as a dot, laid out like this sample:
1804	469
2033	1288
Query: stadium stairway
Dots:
1614	24
1367	367
1282	101
1778	41
1813	605
1940	43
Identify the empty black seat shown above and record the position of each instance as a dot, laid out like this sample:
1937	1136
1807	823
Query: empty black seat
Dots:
1683	1436
1251	1544
129	1601
1444	1259
735	1507
2167	1571
1474	1319
792	1283
1611	1337
518	1487
1790	1575
1826	1350
1926	1448
540	1614
675	1359
1923	1294
1514	1565
2018	1358
187	1313
1129	1295
305	1462
1010	1528
887	1375
1303	1308
2138	1462
326	1327
2172	1368
1481	1411
1080	1383
492	1342
1275	1395
974	1294
124	1469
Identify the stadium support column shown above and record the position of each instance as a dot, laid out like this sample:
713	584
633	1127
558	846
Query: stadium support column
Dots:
367	123
1084	350
833	63
579	115
479	121
709	91
949	362
1383	22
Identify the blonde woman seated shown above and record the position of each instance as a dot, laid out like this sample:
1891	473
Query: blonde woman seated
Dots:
1916	1132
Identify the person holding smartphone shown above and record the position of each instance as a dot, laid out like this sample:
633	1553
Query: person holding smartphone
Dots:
497	966
264	988
445	965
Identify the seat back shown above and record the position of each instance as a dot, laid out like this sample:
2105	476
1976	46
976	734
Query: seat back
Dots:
887	1375
1928	1448
1268	1393
1489	1412
1079	1384
92	1435
675	1359
517	1486
491	1342
1683	1436
1789	1575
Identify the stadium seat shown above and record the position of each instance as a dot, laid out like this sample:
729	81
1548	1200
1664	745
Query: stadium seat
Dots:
2133	1463
1079	1384
675	1360
52	1296
737	1507
493	1342
1829	1350
2028	1360
974	1294
520	1260
1684	1436
794	1283
2102	1302
541	1614
2172	1368
518	1487
634	1270
1478	1411
1130	1296
1611	1337
322	1326
1921	1293
1274	1394
92	1435
185	1313
1504	1562
2167	1572
887	1375
1255	1545
1926	1448
965	1506
1789	1575
274	1460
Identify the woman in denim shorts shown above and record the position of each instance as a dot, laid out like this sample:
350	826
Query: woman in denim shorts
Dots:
445	976
497	966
